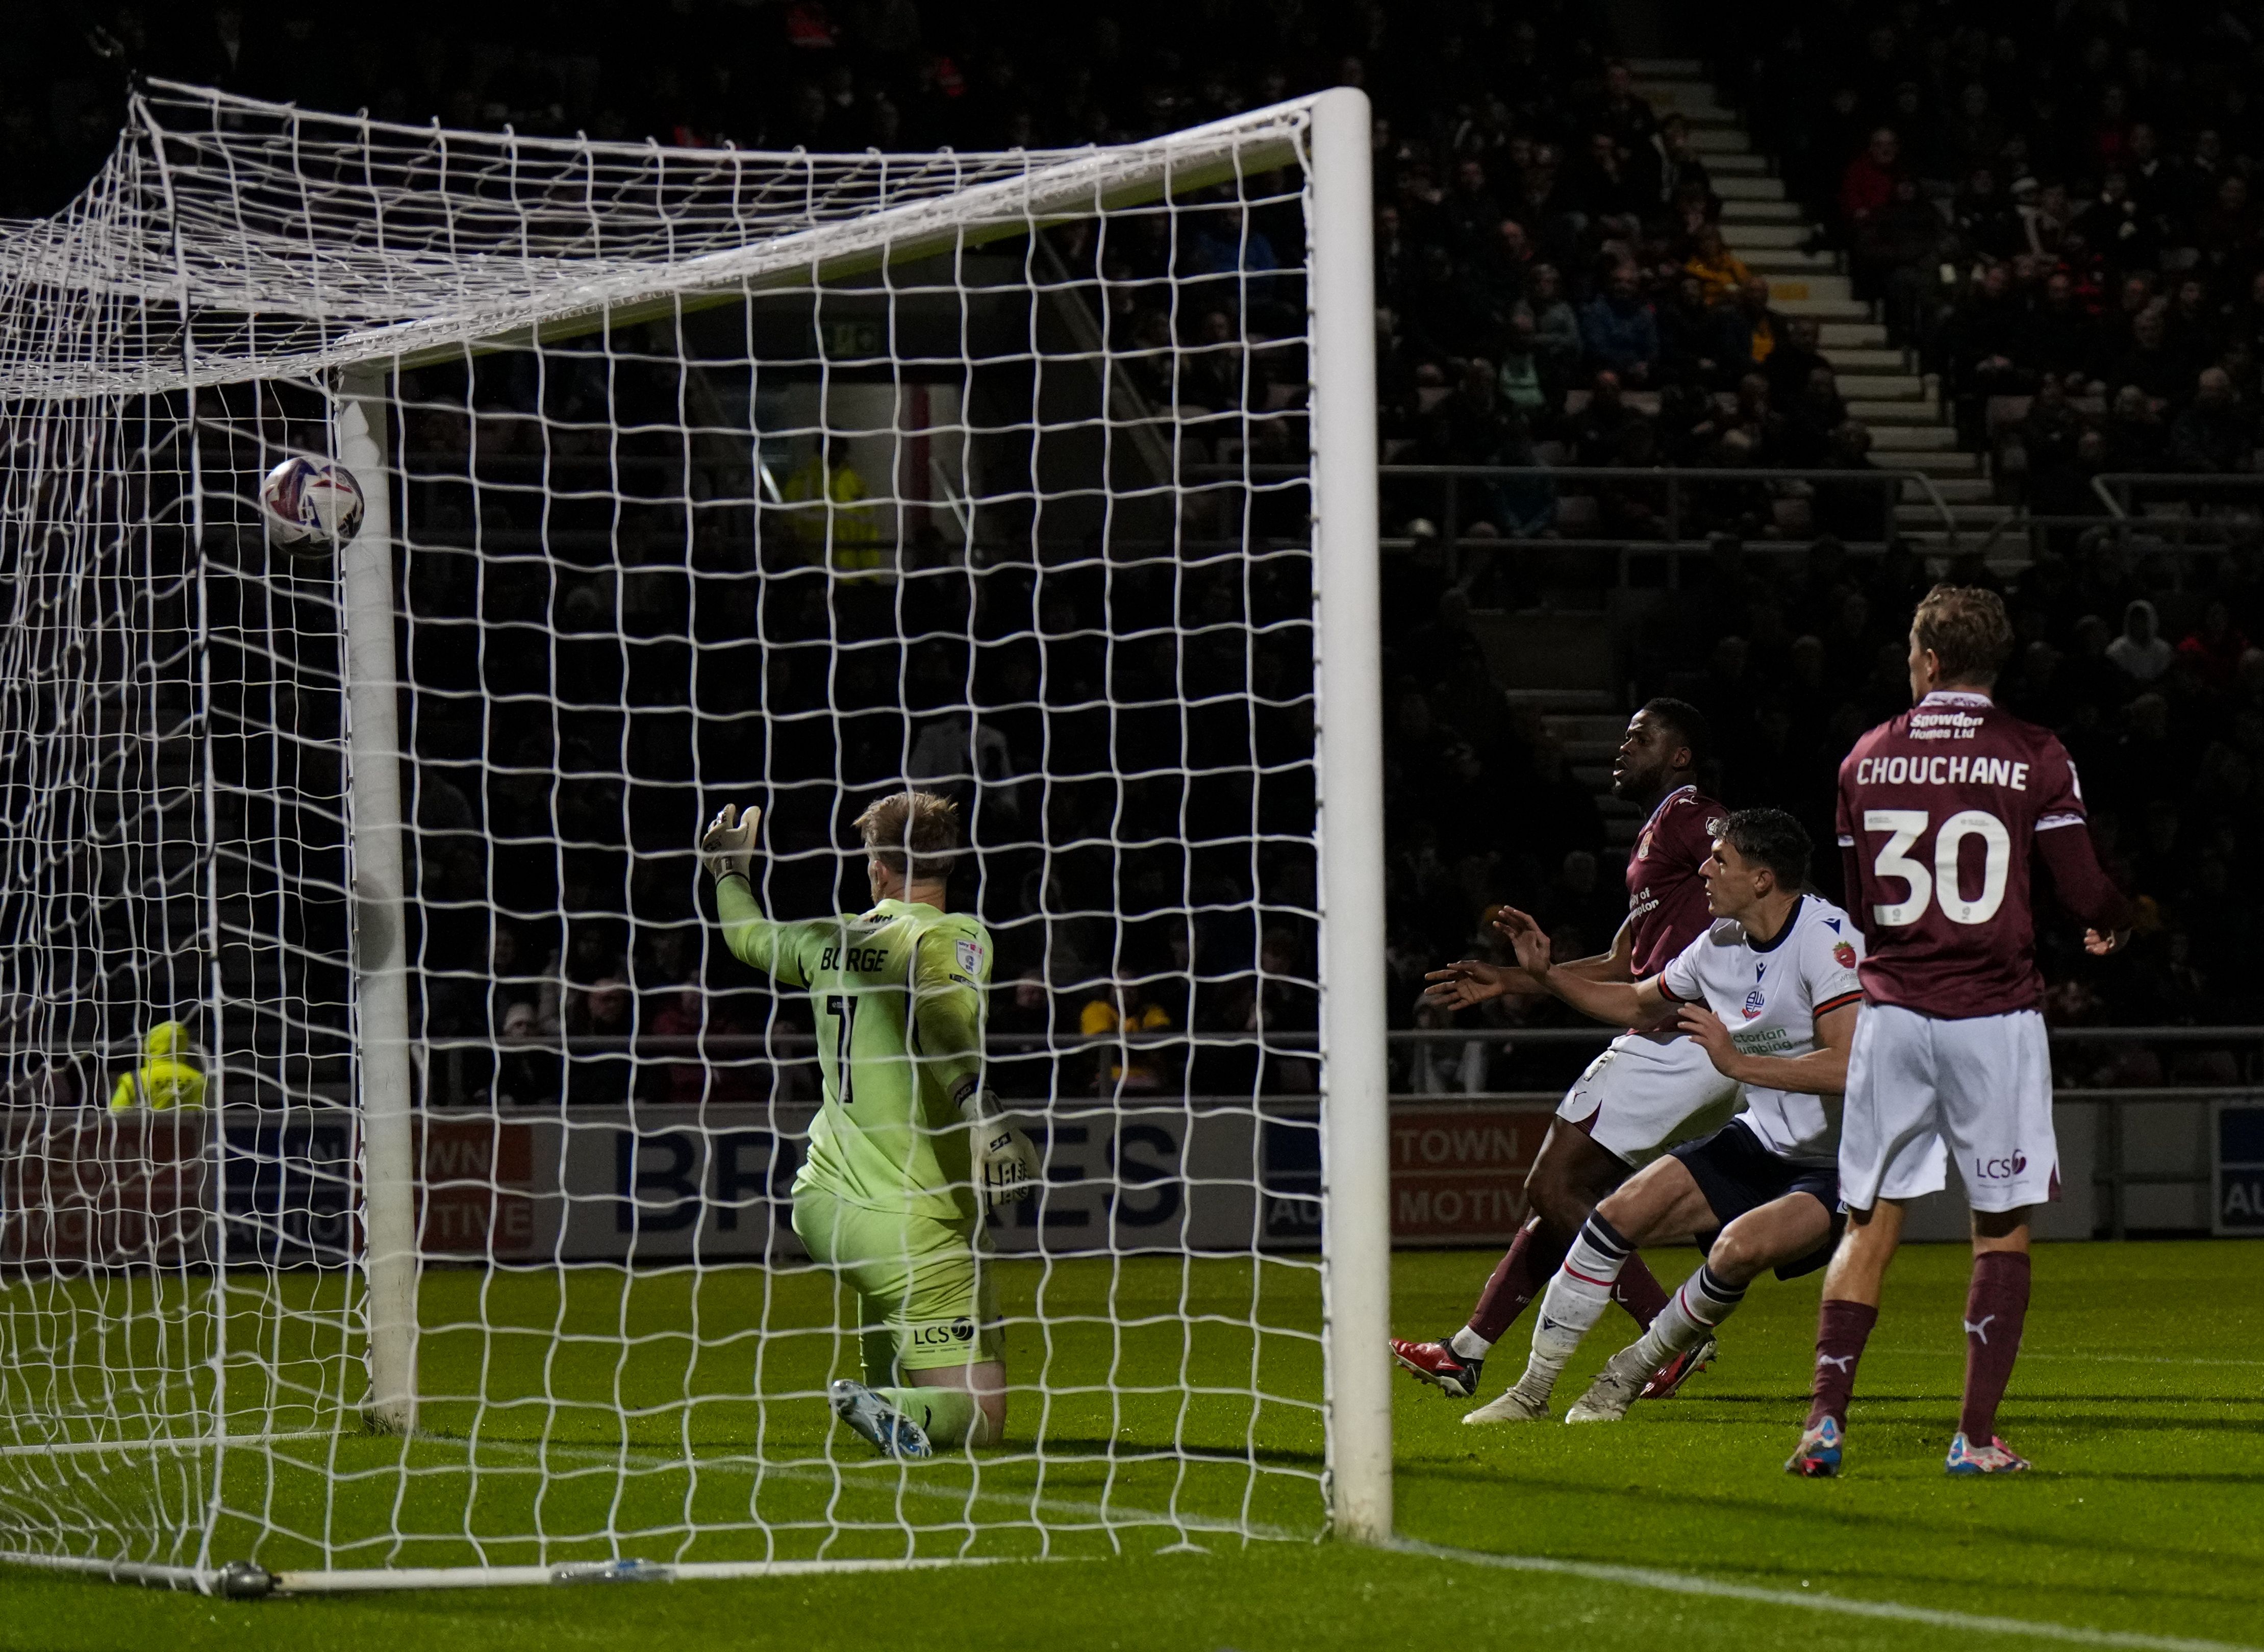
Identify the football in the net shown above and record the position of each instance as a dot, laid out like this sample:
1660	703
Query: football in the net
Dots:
312	505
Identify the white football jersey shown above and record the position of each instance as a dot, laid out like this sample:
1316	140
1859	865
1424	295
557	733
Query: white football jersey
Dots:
1769	998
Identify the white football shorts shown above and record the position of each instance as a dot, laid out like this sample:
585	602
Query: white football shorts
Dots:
1645	1094
1977	1091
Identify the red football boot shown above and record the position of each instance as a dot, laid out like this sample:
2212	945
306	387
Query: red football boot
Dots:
1667	1380
1438	1363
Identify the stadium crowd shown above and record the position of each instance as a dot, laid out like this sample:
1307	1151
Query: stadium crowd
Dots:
2055	205
2055	215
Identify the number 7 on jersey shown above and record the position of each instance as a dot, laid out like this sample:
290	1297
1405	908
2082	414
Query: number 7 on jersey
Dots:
843	1008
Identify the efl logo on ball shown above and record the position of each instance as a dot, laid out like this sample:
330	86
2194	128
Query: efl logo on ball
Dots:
310	506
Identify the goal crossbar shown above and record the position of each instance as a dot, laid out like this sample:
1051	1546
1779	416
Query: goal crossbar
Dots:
377	303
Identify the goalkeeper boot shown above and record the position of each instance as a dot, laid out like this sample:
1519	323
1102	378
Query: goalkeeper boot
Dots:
1995	1457
1617	1387
1438	1363
892	1432
1667	1380
1817	1456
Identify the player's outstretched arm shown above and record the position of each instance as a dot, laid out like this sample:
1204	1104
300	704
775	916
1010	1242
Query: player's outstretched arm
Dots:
1618	964
1627	1004
1823	1071
727	850
1469	982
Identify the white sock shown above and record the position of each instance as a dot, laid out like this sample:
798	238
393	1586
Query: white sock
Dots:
1690	1316
1468	1344
1575	1301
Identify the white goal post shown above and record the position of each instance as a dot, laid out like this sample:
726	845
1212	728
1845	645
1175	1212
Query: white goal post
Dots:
1045	479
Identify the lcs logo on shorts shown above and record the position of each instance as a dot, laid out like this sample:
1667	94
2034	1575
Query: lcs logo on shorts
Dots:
1844	955
1997	1170
960	1330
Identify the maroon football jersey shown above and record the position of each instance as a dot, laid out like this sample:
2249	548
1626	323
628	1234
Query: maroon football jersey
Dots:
1666	894
1940	808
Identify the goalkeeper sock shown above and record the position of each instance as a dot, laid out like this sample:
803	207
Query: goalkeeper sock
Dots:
948	1417
1575	1301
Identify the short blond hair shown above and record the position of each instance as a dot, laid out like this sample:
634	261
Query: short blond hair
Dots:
1967	629
915	835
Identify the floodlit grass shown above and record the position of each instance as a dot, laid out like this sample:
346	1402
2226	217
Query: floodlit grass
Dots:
2138	1397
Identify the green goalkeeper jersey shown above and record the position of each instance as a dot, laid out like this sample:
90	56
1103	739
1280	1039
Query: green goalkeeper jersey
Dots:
898	995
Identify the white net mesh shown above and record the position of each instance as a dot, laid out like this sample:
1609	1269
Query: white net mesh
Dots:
713	478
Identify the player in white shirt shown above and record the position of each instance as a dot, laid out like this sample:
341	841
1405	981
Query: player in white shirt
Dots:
1770	991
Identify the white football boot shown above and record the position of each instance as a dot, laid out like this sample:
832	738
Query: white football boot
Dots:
1618	1385
1511	1406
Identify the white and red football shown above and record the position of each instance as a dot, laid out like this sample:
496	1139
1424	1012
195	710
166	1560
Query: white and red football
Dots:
311	504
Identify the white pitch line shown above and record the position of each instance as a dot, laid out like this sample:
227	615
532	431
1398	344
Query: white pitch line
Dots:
1841	1605
164	1442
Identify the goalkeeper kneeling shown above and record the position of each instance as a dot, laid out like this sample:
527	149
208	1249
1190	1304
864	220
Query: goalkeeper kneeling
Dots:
908	1148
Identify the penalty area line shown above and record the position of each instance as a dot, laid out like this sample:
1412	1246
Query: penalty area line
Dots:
1841	1606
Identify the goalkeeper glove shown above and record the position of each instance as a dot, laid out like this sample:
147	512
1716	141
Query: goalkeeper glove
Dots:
1005	1160
728	847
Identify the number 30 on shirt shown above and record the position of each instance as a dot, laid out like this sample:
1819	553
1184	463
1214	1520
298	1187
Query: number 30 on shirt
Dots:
1940	884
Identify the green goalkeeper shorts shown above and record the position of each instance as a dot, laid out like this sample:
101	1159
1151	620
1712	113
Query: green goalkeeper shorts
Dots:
922	1282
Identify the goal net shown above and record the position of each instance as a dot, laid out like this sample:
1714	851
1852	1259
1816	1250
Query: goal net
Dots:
396	1168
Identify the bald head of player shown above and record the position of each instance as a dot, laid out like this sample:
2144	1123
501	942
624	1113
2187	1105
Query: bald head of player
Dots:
1664	742
1959	638
910	839
1758	871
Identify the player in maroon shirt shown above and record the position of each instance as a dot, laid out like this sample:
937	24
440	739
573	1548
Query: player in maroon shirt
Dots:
1646	1093
1938	812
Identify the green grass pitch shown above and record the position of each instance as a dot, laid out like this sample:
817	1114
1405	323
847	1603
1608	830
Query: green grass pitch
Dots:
2140	1396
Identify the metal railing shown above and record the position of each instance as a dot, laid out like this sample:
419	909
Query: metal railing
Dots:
2177	534
2115	488
1678	481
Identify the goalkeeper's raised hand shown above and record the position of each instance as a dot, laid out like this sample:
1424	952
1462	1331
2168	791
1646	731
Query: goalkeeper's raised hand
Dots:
1005	1160
727	846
